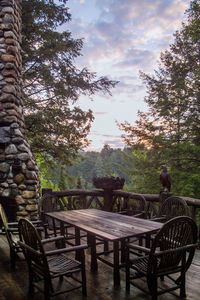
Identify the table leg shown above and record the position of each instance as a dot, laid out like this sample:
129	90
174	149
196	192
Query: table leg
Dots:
77	242
92	242
147	240
62	228
123	251
116	264
54	226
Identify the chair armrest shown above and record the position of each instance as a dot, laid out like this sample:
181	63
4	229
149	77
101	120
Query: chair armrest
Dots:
64	250
14	224
22	245
140	215
13	230
37	222
137	215
184	248
123	212
158	219
53	239
137	247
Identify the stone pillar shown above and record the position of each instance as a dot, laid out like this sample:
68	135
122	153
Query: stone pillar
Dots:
19	175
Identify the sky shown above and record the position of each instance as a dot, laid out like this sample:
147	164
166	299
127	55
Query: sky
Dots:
121	38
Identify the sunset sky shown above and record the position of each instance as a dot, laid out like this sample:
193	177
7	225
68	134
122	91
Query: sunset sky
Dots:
121	38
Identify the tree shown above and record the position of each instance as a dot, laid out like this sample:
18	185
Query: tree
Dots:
170	130
52	83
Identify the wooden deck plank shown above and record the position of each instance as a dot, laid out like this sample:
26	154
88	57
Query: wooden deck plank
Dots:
14	284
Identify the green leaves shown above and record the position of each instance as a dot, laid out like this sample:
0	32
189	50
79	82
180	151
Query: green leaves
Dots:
170	131
52	83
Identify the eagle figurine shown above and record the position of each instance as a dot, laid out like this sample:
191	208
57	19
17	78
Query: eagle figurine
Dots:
165	179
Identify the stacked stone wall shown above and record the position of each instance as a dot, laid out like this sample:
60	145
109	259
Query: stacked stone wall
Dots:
19	175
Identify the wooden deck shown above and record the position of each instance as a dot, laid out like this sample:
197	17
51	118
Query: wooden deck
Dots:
14	284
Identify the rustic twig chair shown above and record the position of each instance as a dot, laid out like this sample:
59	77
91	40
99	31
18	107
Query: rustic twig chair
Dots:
171	207
133	206
49	204
53	266
171	252
12	235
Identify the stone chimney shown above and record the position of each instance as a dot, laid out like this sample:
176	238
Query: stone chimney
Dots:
19	175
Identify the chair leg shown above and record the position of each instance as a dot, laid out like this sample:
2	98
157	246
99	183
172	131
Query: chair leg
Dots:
127	278
13	257
152	284
182	287
46	290
106	247
31	286
84	287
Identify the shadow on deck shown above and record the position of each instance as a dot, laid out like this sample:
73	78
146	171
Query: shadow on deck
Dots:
14	284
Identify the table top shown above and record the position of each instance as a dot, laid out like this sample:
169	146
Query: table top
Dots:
108	225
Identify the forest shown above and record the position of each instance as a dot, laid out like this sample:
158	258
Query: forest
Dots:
90	164
168	133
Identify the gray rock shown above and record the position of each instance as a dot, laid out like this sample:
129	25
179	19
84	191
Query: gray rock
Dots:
6	193
4	167
11	149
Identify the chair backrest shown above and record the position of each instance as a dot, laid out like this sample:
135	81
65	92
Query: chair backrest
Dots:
173	207
137	204
32	247
175	234
3	217
49	204
9	235
133	205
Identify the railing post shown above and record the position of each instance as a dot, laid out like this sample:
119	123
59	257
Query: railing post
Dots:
108	200
46	191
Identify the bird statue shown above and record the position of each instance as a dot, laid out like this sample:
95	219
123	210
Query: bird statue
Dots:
165	179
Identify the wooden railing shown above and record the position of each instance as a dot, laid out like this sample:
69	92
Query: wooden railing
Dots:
112	200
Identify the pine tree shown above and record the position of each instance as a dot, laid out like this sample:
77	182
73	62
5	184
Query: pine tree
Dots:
170	130
55	124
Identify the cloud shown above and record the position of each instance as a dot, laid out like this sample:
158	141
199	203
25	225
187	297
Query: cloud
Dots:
120	39
128	34
115	143
101	113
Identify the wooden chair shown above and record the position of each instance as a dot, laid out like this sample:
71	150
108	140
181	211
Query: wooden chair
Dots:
12	235
50	204
134	206
53	266
171	253
172	207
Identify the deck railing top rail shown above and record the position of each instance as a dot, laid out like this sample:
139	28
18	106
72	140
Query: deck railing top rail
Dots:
148	197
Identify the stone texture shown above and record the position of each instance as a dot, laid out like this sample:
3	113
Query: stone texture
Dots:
11	149
22	213
18	171
4	167
4	185
31	207
6	193
19	200
19	178
22	186
31	175
28	194
7	58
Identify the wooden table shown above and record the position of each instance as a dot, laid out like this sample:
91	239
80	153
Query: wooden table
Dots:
109	226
